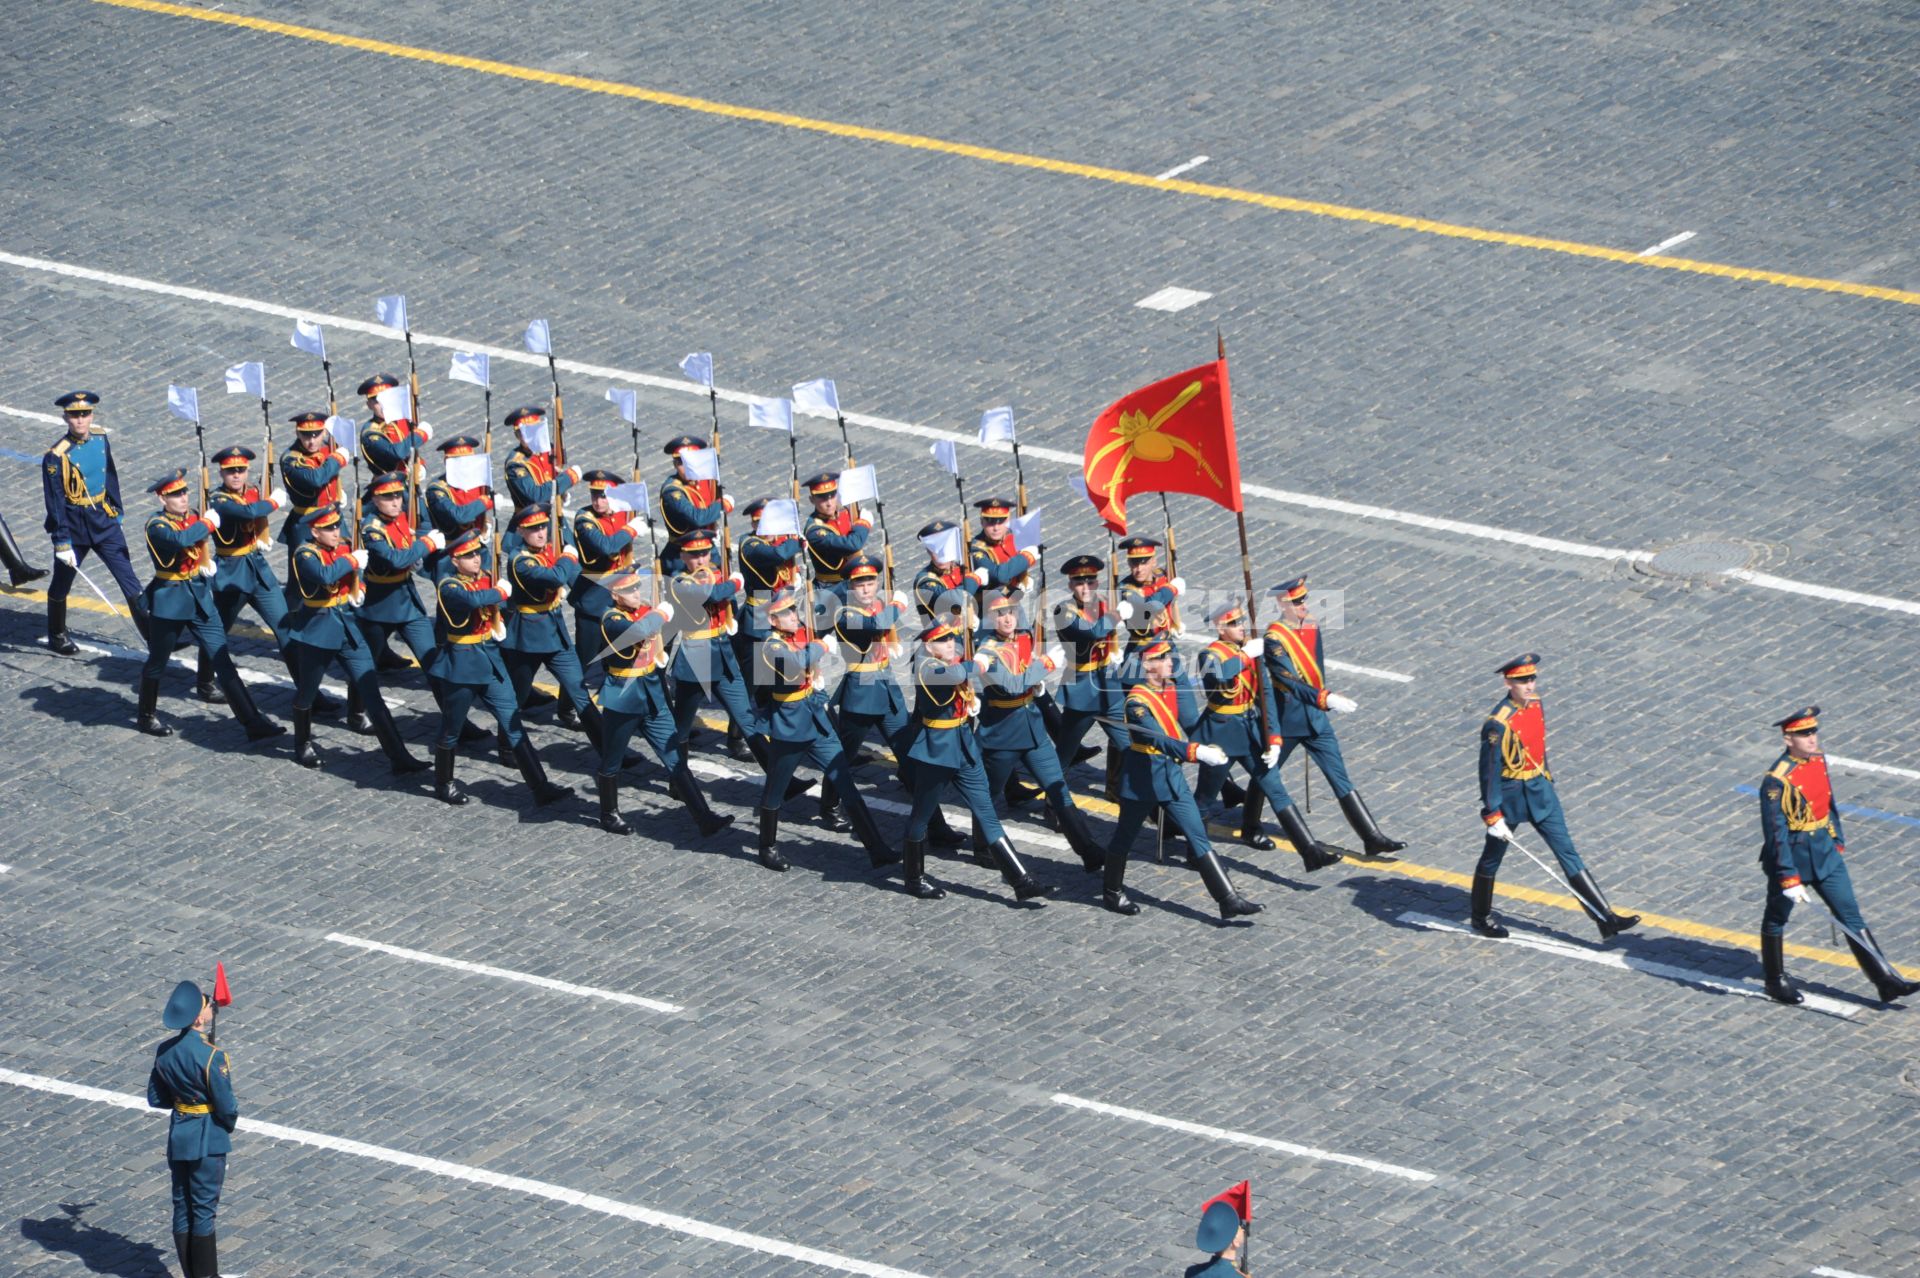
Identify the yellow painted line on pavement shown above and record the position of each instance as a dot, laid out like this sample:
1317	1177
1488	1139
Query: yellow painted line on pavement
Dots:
1409	869
1014	159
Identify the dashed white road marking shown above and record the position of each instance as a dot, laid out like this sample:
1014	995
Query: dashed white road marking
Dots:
1629	963
1823	1271
1242	1138
1670	242
1172	299
1306	501
504	974
1178	169
495	1180
1883	769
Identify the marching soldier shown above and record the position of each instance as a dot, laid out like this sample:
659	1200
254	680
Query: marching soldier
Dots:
1147	597
1011	732
944	751
194	1079
834	535
81	486
1231	720
992	549
1221	1235
634	698
458	511
1515	786
1151	781
311	472
945	590
531	477
542	574
688	505
467	666
395	549
1802	842
242	576
1296	675
704	666
605	539
325	629
391	446
797	728
179	600
767	565
1090	690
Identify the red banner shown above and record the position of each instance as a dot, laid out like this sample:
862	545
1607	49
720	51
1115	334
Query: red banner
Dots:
1175	436
1240	1198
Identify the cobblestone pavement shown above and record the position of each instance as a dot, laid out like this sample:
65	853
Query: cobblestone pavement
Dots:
874	1077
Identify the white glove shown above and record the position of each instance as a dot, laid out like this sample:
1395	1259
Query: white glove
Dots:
66	556
739	582
815	682
1179	585
901	601
1798	894
573	473
359	558
1271	757
982	576
1033	555
1210	754
1501	830
831	644
505	588
501	502
358	597
279	498
864	522
983	661
437	539
1116	656
568	552
499	631
1125	610
665	609
1056	657
1254	647
973	708
426	431
1340	703
213	519
419	469
209	568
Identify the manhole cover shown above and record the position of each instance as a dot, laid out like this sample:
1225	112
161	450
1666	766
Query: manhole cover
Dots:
1700	559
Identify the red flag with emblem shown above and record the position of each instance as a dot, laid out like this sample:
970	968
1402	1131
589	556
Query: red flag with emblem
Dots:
221	994
1175	436
1240	1198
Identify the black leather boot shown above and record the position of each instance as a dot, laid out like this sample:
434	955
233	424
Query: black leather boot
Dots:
1232	795
1017	792
830	817
914	862
57	638
769	827
1482	917
444	787
149	722
544	791
1880	970
1314	854
860	820
204	1251
1609	923
565	716
470	732
203	685
740	747
981	856
1773	961
1214	875
683	787
596	729
940	834
1372	842
1250	832
19	571
1073	824
357	714
1111	788
245	709
502	750
1112	883
609	790
1025	886
185	1256
398	758
303	752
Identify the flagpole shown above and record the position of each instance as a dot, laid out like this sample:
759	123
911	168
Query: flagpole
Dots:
1253	613
266	416
726	529
1173	563
493	516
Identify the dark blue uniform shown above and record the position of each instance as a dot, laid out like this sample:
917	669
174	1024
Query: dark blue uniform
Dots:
943	747
391	446
466	665
179	600
1013	735
537	631
634	699
1296	674
705	667
942	593
81	487
395	552
243	577
312	480
324	628
606	544
689	506
1090	690
455	511
868	696
532	481
830	544
194	1079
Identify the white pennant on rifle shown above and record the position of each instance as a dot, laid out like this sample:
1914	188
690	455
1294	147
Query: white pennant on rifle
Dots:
247	379
628	402
184	401
858	484
308	337
1026	530
699	366
475	367
391	311
475	470
701	463
770	414
537	436
539	338
631	497
817	396
996	426
779	518
345	434
948	456
396	404
943	546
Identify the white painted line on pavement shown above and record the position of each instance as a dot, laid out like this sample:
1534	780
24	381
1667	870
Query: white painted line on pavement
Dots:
505	974
1861	765
1630	963
1172	299
32	416
187	659
1668	243
1241	1138
1825	1272
496	1180
1306	501
1370	672
1178	169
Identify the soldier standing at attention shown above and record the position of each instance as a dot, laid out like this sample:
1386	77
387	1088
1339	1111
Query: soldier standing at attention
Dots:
194	1079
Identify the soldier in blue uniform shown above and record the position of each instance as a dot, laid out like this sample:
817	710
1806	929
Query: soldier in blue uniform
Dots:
395	550
324	628
391	446
1516	787
945	590
1802	843
634	699
1232	718
542	573
1295	652
1220	1236
458	511
1090	690
768	565
690	505
606	540
1010	730
179	600
944	751
242	576
467	667
1149	600
1151	781
193	1078
532	479
834	534
795	723
992	549
310	470
82	491
705	668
